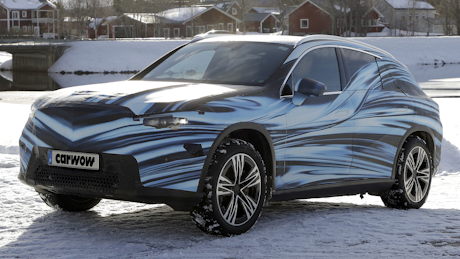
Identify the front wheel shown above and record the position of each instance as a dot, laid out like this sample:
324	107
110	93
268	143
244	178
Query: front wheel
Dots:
68	202
235	190
413	176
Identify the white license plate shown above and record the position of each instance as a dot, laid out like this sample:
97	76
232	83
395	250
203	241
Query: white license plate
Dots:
73	159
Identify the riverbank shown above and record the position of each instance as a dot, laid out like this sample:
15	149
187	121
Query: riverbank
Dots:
108	56
129	56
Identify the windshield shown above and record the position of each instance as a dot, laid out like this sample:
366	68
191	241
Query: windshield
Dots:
247	63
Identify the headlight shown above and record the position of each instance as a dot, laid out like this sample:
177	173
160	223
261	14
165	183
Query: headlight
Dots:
33	110
162	122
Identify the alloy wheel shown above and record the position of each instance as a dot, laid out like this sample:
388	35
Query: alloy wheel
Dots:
239	189
417	174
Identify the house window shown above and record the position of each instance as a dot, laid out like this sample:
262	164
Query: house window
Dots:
403	18
24	28
220	26
200	29
166	32
24	14
210	27
15	14
230	27
176	33
234	11
304	23
416	17
373	22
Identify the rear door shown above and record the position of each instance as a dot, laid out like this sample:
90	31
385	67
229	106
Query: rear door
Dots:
380	108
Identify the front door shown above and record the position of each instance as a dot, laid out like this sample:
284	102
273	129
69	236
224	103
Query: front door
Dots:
319	130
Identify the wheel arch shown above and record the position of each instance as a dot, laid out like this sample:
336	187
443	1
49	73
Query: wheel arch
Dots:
424	133
255	134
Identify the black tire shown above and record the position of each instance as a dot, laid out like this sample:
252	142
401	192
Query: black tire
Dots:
218	213
68	202
413	176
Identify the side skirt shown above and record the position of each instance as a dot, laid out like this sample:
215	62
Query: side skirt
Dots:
371	186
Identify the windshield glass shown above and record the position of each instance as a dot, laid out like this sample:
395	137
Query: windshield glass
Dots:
222	62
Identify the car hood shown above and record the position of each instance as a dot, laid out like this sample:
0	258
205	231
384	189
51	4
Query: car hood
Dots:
143	97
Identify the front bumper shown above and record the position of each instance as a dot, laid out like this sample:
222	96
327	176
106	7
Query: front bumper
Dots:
118	178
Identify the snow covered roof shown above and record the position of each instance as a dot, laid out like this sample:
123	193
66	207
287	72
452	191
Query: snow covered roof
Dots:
25	4
339	8
182	14
185	14
272	10
409	4
320	4
95	22
141	17
226	5
257	17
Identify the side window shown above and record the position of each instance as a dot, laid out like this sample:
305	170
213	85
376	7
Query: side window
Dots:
320	65
354	61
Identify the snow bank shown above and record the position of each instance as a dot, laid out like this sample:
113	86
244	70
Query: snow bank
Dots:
13	118
419	50
134	55
120	55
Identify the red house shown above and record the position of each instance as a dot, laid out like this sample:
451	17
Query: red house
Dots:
260	22
37	17
308	18
315	17
178	22
189	21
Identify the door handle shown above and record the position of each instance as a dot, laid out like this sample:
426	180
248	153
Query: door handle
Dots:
341	113
401	109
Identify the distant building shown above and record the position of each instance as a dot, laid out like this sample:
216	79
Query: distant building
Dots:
260	22
407	15
231	7
173	23
272	10
317	17
308	18
37	17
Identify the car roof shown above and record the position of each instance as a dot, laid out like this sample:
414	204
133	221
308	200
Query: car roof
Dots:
291	40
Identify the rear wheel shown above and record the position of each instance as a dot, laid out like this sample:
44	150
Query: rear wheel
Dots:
68	202
235	190
413	176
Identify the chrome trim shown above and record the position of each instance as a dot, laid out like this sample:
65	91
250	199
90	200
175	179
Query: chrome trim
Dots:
318	47
332	93
341	39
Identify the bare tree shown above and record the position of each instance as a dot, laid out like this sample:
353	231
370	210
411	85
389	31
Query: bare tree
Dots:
455	12
77	11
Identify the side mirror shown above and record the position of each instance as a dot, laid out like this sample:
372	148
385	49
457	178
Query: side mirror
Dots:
306	87
310	87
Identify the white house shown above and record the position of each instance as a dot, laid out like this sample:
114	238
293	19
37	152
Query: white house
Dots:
38	17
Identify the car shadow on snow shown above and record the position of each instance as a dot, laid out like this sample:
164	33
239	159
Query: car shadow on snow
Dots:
159	230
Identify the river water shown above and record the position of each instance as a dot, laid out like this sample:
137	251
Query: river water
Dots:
436	81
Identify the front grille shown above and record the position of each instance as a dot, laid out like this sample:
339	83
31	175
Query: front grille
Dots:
58	177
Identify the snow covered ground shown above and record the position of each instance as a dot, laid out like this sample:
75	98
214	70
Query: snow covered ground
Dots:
342	227
120	55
